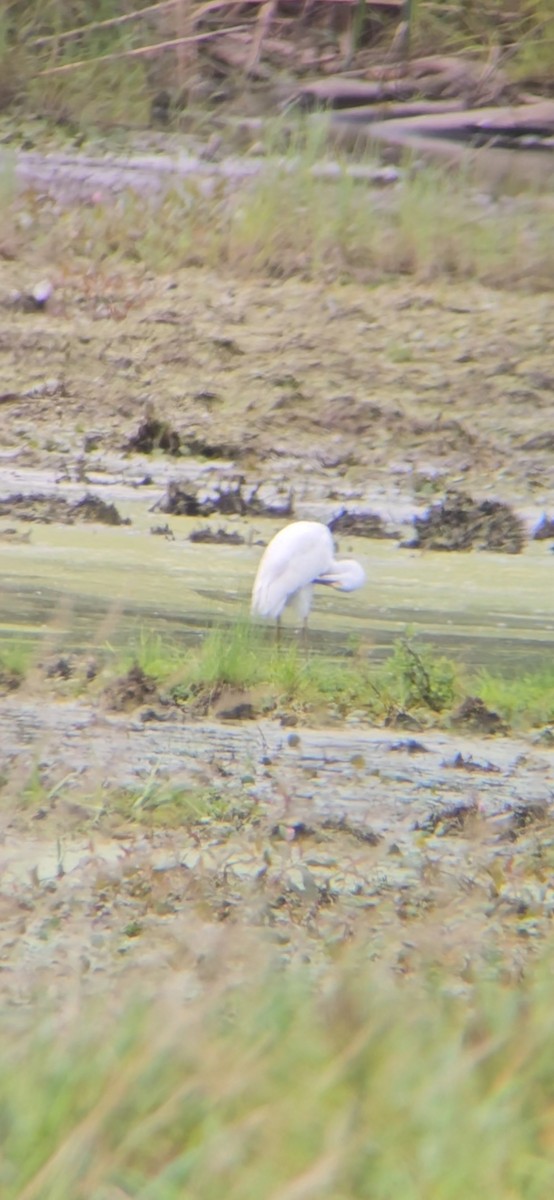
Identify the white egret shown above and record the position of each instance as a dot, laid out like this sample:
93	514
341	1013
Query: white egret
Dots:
298	556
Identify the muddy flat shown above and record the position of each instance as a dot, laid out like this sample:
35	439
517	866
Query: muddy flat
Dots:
345	390
131	843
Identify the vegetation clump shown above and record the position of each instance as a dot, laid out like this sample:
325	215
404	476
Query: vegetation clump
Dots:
460	523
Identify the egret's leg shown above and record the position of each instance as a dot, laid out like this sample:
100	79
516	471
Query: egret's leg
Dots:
304	635
278	633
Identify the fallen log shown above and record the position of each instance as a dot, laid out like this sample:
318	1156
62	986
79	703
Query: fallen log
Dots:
430	77
516	120
340	92
447	137
363	114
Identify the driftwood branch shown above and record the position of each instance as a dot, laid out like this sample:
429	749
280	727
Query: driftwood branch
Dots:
265	17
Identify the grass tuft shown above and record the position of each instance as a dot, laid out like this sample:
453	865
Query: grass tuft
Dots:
287	221
351	1087
525	700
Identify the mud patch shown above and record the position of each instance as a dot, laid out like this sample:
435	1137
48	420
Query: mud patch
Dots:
460	523
229	498
60	668
449	821
163	531
130	691
188	502
360	524
474	715
10	680
153	434
156	434
216	537
46	510
461	762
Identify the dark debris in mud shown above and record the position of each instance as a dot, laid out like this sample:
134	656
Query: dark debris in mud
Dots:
460	523
163	531
524	817
130	691
228	498
408	746
541	441
93	508
154	434
343	824
473	714
62	667
46	510
179	501
360	524
10	680
467	763
216	537
204	447
15	536
402	720
242	711
225	498
449	820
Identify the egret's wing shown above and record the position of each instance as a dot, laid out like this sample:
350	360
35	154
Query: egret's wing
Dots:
293	560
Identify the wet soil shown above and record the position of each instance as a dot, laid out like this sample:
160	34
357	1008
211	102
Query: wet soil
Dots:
56	509
131	842
345	394
127	845
459	523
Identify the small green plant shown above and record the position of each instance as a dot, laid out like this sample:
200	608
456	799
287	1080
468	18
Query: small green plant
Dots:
418	678
16	656
156	656
228	656
527	699
179	806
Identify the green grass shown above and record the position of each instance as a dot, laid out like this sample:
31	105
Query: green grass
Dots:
286	222
244	658
16	657
523	31
527	699
228	657
413	678
154	655
350	1088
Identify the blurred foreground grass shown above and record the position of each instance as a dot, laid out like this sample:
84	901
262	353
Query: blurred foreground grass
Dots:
350	1084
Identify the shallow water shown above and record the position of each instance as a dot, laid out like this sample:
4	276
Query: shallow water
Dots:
90	584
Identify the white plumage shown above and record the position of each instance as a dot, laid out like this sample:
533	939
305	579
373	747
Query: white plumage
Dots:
298	556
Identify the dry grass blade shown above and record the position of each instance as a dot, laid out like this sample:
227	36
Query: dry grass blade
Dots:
141	51
68	35
265	17
198	13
